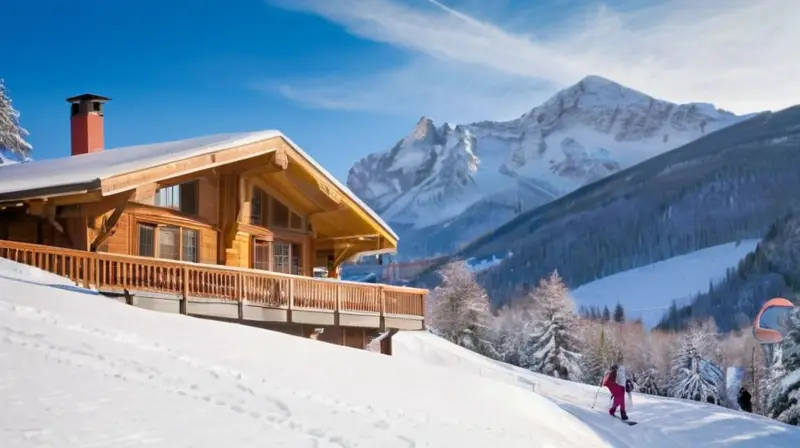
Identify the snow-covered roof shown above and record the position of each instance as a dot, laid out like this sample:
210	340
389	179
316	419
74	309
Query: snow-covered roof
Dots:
87	170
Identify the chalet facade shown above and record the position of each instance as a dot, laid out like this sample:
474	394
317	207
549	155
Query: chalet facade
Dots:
234	226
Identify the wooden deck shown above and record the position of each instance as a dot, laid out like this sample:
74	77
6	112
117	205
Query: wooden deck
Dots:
227	292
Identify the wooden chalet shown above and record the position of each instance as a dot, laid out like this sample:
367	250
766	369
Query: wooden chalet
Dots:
231	227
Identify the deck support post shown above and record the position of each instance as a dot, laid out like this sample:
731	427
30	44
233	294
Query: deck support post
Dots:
241	298
382	298
338	310
184	302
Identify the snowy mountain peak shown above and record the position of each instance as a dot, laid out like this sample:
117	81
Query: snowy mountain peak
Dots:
425	131
581	134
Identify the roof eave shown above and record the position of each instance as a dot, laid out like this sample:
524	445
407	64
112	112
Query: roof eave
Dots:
49	192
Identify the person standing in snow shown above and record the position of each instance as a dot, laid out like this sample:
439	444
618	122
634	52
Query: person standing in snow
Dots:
615	381
744	400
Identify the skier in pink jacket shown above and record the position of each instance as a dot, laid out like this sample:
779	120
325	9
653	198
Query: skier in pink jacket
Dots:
611	380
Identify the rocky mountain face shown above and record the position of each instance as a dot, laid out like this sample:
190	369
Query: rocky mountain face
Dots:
441	187
730	185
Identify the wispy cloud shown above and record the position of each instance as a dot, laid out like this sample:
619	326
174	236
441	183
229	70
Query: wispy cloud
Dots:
737	54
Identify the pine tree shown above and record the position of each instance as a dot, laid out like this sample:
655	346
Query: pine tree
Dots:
649	382
606	314
784	387
692	375
12	135
619	314
557	344
460	310
515	331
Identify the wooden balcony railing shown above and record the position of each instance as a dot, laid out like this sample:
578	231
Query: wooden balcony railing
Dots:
105	271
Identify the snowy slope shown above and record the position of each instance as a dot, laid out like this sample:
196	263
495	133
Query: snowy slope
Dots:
663	422
80	370
584	133
648	291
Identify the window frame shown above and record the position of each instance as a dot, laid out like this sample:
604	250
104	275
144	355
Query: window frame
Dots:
176	191
181	231
266	211
296	251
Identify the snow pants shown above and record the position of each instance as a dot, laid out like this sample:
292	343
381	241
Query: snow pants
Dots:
618	394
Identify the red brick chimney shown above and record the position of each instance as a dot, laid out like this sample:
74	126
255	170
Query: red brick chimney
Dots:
86	123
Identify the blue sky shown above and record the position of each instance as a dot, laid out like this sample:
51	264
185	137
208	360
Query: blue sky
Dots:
344	78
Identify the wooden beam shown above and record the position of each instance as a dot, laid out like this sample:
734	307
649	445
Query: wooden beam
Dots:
309	191
128	181
230	227
326	188
101	207
346	252
109	222
46	210
349	238
332	215
280	159
349	202
85	198
148	190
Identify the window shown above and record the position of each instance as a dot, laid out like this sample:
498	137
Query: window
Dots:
281	254
147	240
280	214
168	242
296	221
169	239
287	258
261	255
189	245
182	197
256	204
266	211
297	265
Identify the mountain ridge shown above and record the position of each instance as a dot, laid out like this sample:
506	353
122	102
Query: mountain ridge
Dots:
471	178
726	186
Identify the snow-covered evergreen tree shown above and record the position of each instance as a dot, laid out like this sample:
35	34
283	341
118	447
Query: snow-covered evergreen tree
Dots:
515	331
12	135
784	387
649	380
693	376
557	343
460	310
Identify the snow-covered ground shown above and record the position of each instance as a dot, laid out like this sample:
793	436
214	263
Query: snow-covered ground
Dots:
662	422
80	370
648	291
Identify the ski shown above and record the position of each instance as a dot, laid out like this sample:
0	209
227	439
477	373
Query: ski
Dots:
627	422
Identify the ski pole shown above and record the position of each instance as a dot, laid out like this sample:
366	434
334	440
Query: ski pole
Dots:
596	395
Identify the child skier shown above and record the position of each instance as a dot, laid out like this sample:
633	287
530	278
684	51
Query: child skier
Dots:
616	383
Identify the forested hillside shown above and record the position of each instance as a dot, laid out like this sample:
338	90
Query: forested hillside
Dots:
772	270
730	185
